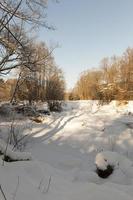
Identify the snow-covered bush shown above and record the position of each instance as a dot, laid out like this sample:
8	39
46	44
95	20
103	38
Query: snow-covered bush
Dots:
55	106
104	167
6	110
9	155
108	162
26	110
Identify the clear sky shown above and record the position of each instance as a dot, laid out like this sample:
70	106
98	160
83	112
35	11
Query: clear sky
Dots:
87	31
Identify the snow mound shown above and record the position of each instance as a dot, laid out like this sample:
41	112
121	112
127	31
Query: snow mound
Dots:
119	162
103	159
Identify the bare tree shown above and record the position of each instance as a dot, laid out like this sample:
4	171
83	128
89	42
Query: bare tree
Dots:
113	80
13	17
29	11
32	84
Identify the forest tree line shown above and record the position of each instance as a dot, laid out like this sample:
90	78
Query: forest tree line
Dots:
113	80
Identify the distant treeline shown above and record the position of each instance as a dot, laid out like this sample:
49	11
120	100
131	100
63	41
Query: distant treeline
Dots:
113	80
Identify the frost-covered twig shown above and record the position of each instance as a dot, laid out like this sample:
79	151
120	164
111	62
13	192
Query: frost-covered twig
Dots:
9	138
5	152
3	193
15	192
18	141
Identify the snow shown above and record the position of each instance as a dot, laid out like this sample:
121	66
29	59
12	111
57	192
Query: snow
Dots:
6	149
65	150
106	158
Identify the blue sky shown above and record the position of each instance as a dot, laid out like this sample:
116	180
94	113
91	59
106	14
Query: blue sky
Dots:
87	31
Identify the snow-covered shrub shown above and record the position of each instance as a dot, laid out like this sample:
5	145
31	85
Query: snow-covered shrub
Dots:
14	142
45	112
26	110
15	136
42	108
104	167
16	133
55	106
9	155
108	163
5	110
13	156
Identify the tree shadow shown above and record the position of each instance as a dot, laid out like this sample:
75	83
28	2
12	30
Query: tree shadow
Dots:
117	135
58	127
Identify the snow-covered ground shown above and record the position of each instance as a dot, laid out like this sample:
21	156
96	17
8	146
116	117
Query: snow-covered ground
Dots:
65	149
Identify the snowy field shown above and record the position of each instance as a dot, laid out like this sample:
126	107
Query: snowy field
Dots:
65	150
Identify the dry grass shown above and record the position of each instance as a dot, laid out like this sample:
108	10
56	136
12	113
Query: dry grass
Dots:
121	103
